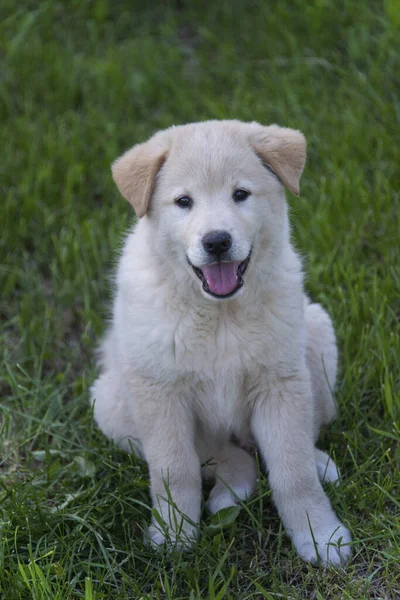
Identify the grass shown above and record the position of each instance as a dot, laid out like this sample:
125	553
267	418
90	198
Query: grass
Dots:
83	80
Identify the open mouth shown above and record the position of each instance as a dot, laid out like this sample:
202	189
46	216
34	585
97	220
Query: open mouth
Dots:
222	279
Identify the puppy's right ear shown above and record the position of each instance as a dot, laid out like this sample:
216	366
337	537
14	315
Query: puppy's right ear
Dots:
135	172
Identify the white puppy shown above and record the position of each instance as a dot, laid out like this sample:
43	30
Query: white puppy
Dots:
213	343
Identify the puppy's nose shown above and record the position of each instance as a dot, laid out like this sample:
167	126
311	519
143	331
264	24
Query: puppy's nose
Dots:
217	242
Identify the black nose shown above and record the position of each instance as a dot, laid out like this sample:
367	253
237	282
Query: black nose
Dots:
217	242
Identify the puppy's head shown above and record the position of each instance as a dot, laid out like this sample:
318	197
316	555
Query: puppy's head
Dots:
213	193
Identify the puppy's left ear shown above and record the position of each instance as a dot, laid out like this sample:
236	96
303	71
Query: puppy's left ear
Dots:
283	150
135	172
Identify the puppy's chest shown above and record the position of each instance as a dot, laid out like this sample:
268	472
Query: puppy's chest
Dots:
221	344
220	401
218	356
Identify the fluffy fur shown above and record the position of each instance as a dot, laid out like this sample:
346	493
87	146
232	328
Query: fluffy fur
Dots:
189	380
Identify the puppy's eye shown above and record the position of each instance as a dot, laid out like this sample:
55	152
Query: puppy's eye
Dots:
184	202
240	195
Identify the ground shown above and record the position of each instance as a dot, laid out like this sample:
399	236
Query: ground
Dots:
81	81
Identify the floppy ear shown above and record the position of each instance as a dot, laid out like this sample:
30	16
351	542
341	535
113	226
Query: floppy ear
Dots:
135	173
284	151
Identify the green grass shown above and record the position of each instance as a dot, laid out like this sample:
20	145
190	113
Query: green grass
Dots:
80	82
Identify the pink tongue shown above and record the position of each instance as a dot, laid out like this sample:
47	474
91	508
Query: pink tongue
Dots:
221	277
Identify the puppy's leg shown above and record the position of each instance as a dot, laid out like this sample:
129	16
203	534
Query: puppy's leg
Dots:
166	424
110	400
113	413
235	473
321	357
282	423
322	360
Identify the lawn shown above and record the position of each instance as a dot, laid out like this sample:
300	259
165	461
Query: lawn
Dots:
81	81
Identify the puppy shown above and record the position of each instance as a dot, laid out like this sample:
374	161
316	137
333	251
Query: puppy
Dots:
212	337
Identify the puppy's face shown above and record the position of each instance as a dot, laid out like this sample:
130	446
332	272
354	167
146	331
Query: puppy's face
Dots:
216	206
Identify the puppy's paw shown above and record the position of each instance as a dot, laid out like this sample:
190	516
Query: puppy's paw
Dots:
222	497
162	536
327	545
217	502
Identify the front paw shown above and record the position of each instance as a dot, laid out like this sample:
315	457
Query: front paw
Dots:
160	535
326	545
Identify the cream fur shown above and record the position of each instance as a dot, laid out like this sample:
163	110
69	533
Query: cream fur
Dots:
182	372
